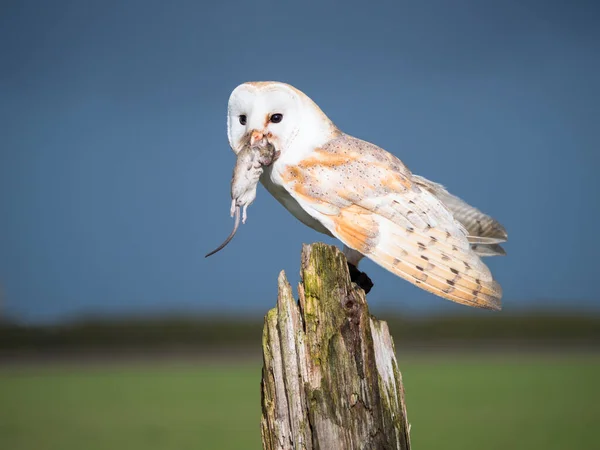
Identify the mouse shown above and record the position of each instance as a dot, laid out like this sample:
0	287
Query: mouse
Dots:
249	166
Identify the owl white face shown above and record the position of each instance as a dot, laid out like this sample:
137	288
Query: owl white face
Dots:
277	113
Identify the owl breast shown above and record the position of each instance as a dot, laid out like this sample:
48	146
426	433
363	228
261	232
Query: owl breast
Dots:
289	203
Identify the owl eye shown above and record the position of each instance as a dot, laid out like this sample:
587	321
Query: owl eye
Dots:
276	118
242	119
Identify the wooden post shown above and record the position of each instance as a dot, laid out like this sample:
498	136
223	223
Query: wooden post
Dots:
330	379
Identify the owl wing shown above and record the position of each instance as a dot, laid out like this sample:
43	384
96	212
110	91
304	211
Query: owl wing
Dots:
369	200
484	232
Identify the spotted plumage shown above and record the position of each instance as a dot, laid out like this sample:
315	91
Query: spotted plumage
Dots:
366	197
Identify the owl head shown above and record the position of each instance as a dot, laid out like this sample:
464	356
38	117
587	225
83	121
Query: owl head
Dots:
277	113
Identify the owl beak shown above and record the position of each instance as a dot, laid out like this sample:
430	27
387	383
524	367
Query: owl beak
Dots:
257	137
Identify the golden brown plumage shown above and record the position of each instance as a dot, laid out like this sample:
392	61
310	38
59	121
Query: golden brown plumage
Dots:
372	204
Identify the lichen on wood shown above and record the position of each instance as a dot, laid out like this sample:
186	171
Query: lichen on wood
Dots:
330	376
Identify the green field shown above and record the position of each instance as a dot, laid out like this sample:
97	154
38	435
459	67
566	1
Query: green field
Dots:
457	401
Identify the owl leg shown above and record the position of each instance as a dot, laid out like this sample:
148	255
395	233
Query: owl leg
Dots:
356	276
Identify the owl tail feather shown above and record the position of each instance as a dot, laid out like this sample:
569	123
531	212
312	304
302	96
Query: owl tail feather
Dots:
484	232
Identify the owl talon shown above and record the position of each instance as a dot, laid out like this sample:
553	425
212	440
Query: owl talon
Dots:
360	278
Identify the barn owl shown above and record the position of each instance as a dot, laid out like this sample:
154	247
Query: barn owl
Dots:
367	198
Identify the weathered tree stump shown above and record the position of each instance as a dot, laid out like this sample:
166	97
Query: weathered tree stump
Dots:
330	378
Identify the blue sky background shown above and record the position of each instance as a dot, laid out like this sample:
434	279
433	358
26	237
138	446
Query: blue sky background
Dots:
115	166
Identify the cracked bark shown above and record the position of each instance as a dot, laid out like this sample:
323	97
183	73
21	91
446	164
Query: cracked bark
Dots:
330	378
